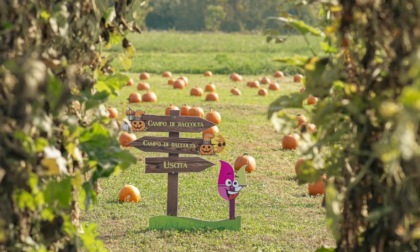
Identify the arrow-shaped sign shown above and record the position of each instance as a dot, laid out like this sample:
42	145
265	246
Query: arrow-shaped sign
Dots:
168	145
176	164
175	123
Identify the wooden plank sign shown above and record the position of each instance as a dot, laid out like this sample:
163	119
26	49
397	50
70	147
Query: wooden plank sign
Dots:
168	145
176	164
175	123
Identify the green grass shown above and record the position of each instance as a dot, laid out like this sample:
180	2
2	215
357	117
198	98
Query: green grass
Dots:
222	53
277	214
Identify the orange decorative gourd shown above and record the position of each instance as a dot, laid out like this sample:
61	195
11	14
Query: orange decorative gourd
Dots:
143	86
210	87
126	138
291	141
129	193
212	97
149	97
144	76
134	98
247	160
196	91
196	111
318	187
262	92
112	112
214	116
184	110
212	130
169	108
235	91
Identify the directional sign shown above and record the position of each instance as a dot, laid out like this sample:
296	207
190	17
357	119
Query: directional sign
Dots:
168	145
175	123
176	164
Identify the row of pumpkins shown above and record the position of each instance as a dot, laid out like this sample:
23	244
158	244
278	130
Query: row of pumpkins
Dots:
182	82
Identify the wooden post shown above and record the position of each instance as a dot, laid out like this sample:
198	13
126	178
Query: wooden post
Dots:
172	196
232	209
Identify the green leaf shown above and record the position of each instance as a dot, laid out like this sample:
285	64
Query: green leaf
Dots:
293	100
96	99
58	193
410	98
89	240
328	48
298	60
55	90
300	26
111	83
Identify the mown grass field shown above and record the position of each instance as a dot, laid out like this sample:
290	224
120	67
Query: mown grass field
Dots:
277	213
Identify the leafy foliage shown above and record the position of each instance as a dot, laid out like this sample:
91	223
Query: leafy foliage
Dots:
55	135
368	139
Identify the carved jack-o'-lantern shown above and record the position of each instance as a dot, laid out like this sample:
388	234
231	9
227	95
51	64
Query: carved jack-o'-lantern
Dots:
206	149
137	125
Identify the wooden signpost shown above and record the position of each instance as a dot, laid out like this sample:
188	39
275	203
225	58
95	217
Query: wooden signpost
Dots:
174	145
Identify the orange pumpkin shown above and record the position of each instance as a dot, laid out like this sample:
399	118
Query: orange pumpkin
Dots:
291	141
196	111
312	100
167	74
262	92
235	77
130	82
212	97
212	130
126	138
235	91
265	80
169	108
208	73
318	187
274	86
149	97
171	81
143	86
196	91
301	119
247	160
129	193
185	79
184	110
112	112
214	116
254	84
210	87
298	163
307	127
179	84
278	74
134	98
144	76
297	78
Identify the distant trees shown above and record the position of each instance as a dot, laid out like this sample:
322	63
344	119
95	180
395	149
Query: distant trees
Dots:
222	15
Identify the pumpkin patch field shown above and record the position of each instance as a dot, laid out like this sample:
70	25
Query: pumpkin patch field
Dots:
277	214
